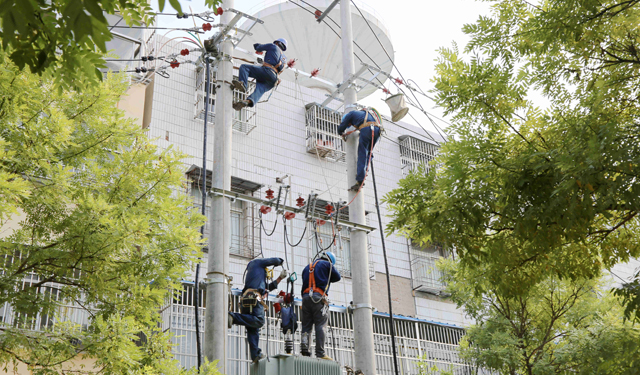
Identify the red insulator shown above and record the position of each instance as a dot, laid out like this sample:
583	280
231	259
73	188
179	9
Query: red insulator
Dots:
206	26
218	11
291	63
300	202
385	90
318	13
399	81
315	72
320	222
184	52
265	209
277	307
259	52
270	194
329	209
174	64
289	215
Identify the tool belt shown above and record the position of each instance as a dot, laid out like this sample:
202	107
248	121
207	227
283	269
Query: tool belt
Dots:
275	70
367	124
250	299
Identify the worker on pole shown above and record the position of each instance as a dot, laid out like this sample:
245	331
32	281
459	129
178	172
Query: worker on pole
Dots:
254	294
369	135
316	278
267	75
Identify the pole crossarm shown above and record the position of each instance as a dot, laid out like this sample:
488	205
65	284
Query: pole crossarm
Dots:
328	10
232	25
272	203
345	85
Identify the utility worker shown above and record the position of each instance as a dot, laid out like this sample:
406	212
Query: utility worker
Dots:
254	295
316	278
266	75
369	132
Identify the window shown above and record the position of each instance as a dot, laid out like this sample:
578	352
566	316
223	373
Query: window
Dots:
414	151
244	121
244	223
322	133
426	277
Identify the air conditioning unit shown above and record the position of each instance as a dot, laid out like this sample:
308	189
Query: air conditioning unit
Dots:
285	364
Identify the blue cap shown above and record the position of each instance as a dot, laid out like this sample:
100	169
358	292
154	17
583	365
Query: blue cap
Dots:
283	41
329	255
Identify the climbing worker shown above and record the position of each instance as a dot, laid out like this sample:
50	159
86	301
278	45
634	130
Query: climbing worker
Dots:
254	294
316	278
369	135
267	75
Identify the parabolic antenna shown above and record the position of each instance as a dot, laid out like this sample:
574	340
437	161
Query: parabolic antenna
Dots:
316	46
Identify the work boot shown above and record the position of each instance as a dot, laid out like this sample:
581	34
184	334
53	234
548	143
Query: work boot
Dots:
326	357
258	358
237	85
305	353
240	104
356	186
230	321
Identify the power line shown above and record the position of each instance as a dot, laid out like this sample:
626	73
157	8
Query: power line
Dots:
398	70
376	64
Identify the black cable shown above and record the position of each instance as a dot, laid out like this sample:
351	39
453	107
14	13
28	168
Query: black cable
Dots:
275	223
301	237
203	189
386	267
286	257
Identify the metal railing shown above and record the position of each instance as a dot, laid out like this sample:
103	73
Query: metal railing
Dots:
322	133
244	121
415	339
414	152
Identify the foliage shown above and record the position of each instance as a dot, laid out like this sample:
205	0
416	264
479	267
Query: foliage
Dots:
103	228
66	38
557	327
426	368
540	174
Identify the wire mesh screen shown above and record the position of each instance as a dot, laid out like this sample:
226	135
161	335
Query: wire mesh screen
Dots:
414	152
322	133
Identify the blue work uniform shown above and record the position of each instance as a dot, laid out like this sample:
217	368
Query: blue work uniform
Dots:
356	118
265	77
253	319
313	307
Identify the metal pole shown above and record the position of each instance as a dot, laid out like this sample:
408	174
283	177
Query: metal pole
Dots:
220	235
362	315
203	187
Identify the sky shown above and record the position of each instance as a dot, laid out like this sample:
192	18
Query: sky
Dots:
417	28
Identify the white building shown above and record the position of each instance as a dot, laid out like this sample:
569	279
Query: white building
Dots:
289	139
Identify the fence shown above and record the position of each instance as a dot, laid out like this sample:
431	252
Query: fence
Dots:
414	338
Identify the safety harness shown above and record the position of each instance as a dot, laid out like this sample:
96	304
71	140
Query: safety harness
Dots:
274	68
312	280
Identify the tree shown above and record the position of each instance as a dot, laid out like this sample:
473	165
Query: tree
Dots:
556	327
104	228
67	38
539	176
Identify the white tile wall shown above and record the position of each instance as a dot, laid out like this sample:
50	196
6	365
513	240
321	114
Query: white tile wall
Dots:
276	147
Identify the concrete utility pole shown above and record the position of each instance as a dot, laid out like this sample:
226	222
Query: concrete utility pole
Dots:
362	317
216	316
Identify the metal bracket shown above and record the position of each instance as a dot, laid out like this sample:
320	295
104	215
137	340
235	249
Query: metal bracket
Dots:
345	85
328	10
247	198
217	278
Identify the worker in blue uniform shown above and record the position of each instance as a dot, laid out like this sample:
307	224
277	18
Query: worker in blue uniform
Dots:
266	75
316	278
254	294
367	137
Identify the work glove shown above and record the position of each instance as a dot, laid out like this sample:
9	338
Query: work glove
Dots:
256	45
260	61
283	274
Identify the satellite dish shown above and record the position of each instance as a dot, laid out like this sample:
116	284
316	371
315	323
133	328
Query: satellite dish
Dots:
316	46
